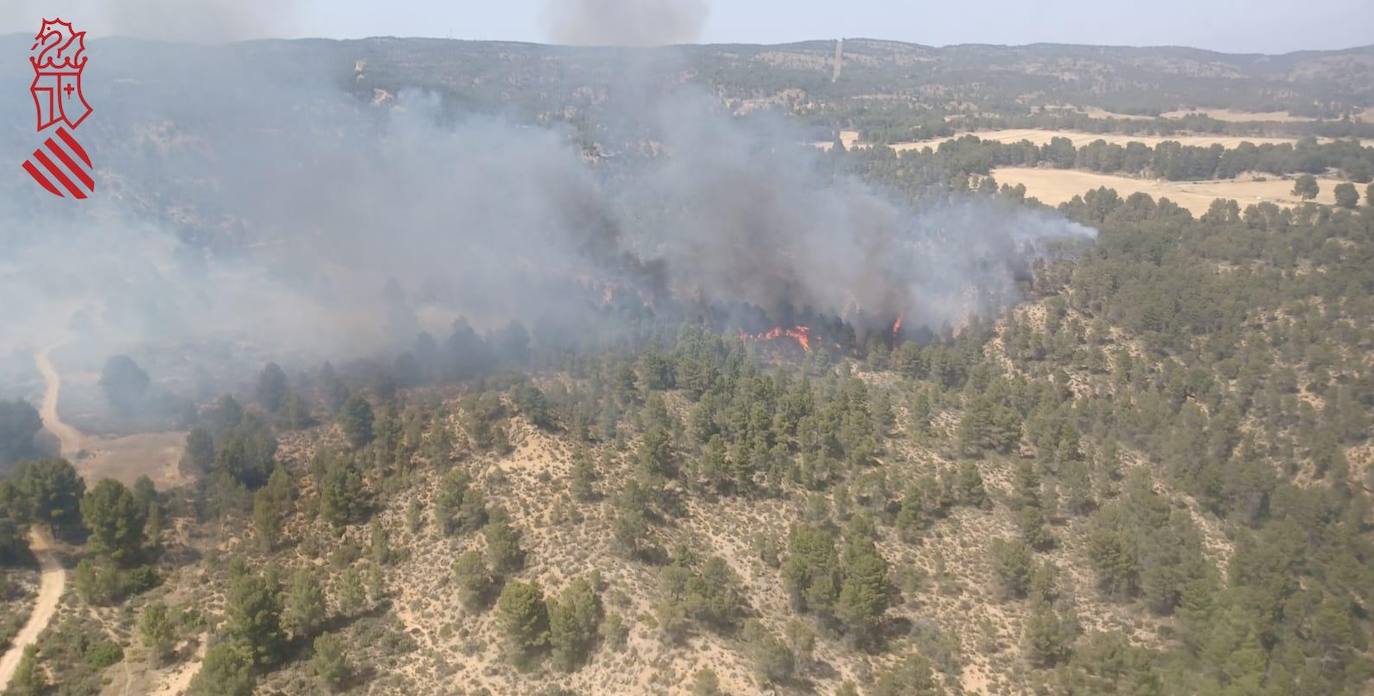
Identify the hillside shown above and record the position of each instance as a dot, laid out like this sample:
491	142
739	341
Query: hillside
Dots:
1097	492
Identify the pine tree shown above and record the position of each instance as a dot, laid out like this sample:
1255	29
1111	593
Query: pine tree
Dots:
1025	486
1011	563
349	592
706	683
524	618
811	573
226	671
474	579
865	593
266	520
1046	637
773	662
458	507
716	594
52	491
910	677
573	623
330	661
272	388
157	632
115	520
969	486
253	616
1033	528
343	497
355	418
582	479
503	543
304	611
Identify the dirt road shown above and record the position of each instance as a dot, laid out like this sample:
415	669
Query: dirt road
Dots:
54	576
50	586
67	435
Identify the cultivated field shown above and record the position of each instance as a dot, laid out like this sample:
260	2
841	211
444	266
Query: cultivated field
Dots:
1079	139
1055	186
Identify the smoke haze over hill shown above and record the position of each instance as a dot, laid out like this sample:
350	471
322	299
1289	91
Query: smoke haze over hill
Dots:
278	208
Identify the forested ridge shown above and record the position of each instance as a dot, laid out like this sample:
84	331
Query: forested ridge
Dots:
1164	451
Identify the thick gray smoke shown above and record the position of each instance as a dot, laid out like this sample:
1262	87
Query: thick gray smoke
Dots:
754	218
238	204
625	22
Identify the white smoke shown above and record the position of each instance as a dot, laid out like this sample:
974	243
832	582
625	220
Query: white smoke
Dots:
625	22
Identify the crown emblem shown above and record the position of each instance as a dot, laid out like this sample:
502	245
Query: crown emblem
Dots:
60	165
58	48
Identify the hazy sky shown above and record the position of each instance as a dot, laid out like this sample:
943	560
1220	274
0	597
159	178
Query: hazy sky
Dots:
1268	26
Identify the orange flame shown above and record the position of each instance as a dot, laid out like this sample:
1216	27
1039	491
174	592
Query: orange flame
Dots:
897	325
800	334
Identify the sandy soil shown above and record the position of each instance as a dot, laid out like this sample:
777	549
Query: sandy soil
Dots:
178	678
54	579
1055	186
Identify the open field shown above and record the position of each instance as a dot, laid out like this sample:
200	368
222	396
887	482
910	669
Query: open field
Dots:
125	459
1055	186
1079	139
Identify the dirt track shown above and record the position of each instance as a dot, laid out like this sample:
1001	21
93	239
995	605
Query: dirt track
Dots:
69	437
54	576
50	586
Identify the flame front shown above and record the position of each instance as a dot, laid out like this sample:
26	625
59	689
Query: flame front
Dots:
897	325
801	334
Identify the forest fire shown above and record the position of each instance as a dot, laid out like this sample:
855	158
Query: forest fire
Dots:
897	326
801	334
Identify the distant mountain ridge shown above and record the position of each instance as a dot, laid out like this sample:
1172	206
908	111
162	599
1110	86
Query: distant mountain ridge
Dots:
992	77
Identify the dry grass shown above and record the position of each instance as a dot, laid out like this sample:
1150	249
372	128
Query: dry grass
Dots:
1055	186
125	459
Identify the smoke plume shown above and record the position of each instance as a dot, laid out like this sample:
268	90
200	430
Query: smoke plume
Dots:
240	203
625	22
